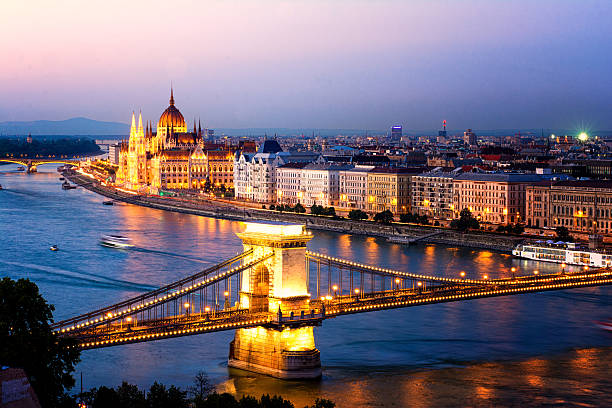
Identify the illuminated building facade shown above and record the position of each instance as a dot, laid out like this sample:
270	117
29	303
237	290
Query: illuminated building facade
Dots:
432	194
171	157
496	198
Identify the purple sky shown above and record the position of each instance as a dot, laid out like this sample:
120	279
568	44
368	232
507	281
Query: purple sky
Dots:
326	64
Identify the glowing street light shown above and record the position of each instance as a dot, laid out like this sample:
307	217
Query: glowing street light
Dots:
485	277
583	136
226	293
536	272
462	274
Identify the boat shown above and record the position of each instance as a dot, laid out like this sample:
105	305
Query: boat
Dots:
564	253
54	248
62	179
607	326
110	202
115	241
20	168
0	186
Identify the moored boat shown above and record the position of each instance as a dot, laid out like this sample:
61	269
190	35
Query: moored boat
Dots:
564	253
20	168
54	248
109	202
115	241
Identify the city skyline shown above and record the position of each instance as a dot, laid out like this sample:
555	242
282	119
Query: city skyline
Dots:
352	65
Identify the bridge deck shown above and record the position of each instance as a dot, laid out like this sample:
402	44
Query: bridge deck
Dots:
116	333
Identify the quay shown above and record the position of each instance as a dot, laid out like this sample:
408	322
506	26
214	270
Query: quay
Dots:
225	210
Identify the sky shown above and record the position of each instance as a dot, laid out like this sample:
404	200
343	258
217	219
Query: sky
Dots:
353	64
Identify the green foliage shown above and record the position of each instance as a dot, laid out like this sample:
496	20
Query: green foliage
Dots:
466	221
563	234
357	215
320	210
27	341
47	148
414	218
384	217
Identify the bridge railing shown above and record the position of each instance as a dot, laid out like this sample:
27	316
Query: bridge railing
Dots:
185	296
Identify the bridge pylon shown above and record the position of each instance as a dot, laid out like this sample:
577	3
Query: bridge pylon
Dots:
279	286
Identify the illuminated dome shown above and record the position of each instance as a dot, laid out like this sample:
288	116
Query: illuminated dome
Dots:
172	117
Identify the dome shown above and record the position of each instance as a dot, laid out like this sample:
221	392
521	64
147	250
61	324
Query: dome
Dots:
172	117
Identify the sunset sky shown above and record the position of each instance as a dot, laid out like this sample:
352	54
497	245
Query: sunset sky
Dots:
326	64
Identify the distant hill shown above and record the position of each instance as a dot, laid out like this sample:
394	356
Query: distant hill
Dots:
68	127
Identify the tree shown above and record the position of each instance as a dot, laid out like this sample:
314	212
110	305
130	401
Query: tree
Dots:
357	215
384	217
563	234
201	386
274	402
27	341
105	397
129	396
299	208
466	221
323	403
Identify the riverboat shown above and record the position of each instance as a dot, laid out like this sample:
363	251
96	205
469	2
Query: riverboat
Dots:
107	202
54	248
115	241
563	252
20	168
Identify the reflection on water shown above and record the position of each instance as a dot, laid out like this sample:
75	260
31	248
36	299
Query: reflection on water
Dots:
421	356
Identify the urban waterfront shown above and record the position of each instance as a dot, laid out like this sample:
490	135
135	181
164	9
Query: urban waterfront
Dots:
411	356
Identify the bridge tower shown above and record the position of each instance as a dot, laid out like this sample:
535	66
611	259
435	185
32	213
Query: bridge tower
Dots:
279	286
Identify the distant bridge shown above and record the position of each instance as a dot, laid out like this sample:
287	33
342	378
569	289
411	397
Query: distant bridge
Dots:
275	291
32	164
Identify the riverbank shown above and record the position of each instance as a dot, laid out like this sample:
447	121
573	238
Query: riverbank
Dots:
230	211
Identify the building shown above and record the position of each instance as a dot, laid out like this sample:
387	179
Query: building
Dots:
113	153
389	189
469	138
496	198
354	188
396	133
289	189
583	206
432	194
171	157
537	204
255	174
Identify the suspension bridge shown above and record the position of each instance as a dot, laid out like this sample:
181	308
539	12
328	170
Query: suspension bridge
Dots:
276	291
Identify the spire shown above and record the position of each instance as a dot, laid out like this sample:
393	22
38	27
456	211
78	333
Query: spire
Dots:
171	95
133	120
140	130
195	132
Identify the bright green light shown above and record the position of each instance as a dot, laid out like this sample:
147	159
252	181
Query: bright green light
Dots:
583	137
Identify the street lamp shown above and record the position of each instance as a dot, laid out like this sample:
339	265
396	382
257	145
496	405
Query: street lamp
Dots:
335	289
462	274
513	270
397	281
186	306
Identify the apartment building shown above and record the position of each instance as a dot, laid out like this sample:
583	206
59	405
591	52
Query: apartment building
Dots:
496	198
432	194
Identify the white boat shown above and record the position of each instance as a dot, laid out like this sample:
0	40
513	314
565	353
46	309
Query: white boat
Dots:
115	241
563	252
605	325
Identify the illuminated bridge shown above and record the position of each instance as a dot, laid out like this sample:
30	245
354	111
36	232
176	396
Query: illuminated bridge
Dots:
276	291
32	164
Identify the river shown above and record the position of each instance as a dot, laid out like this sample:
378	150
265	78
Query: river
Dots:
538	348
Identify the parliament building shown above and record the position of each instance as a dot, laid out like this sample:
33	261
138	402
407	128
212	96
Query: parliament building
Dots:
171	157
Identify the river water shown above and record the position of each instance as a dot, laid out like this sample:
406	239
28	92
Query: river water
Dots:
526	349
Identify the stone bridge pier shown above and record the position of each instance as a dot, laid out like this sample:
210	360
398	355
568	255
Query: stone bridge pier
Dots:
278	284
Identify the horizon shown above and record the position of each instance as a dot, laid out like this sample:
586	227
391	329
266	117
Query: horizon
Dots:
319	64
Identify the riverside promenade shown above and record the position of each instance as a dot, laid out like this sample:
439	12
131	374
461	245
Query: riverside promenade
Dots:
234	211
